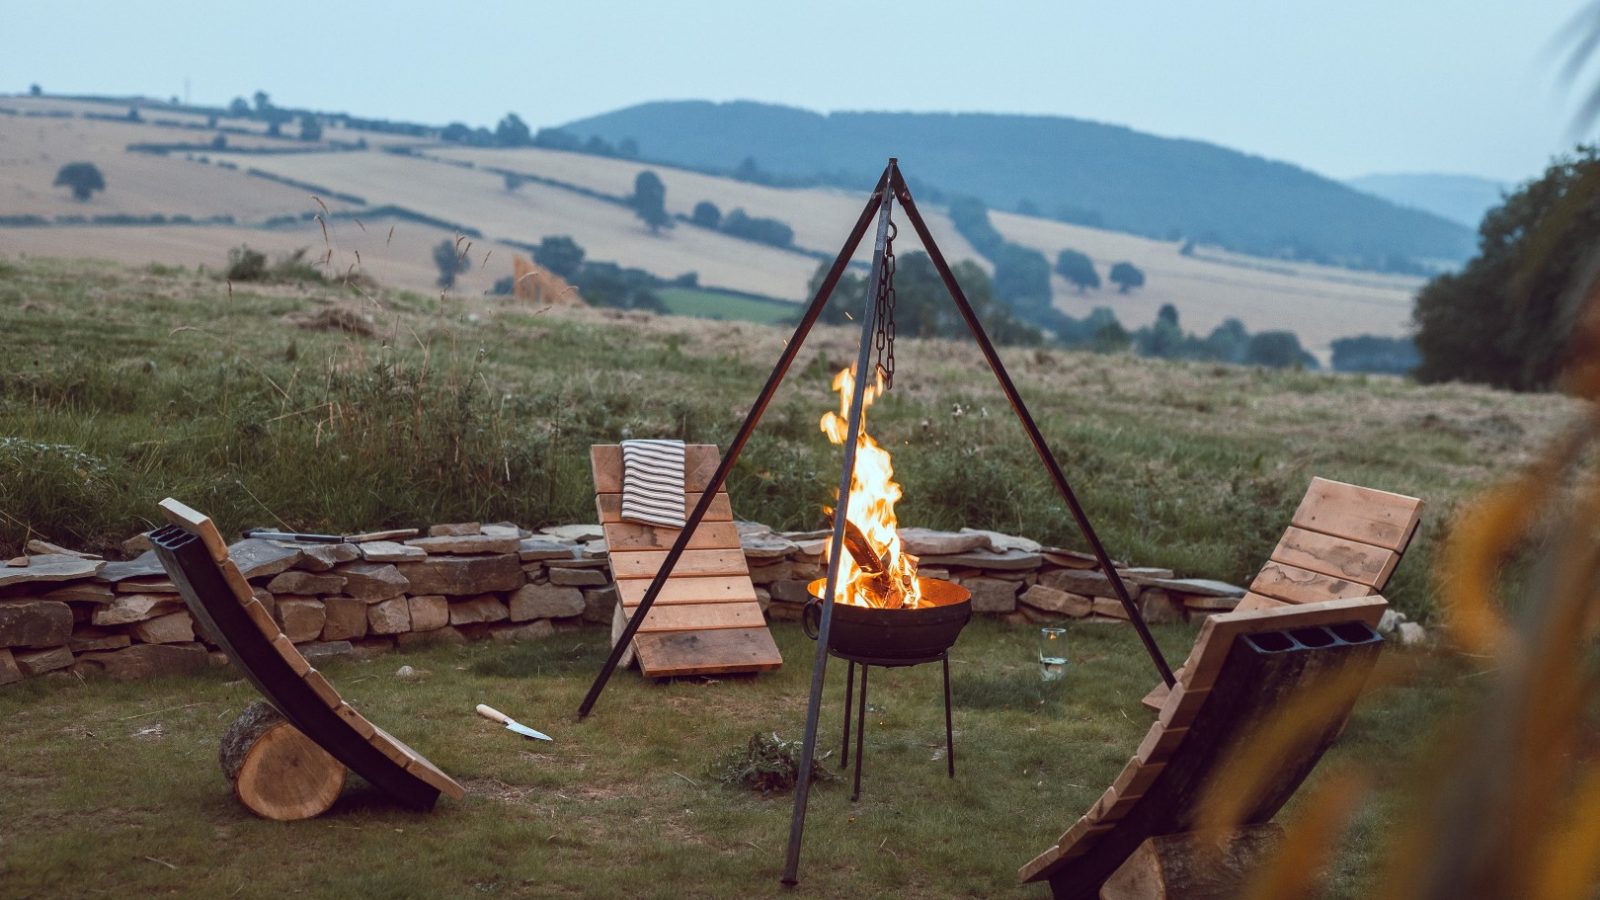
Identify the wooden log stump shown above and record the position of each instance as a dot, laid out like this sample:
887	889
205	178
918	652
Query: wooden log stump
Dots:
277	772
1193	866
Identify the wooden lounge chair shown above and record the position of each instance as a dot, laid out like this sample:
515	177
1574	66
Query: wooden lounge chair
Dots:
706	619
1246	668
1344	541
218	596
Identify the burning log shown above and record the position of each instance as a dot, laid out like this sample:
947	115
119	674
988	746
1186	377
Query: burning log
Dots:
879	584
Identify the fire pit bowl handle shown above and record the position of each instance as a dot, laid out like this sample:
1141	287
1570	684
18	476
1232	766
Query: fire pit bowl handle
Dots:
811	618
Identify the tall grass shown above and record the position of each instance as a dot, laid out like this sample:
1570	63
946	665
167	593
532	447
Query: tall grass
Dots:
121	387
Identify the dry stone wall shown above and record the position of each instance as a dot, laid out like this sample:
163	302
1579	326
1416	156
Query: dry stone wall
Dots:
62	611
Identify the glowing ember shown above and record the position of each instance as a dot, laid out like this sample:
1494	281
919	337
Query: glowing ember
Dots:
873	494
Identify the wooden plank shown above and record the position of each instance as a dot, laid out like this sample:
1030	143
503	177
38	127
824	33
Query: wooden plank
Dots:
389	747
1336	557
286	649
323	688
262	619
1297	585
702	617
1181	707
1358	513
1159	743
624	536
699	464
1259	601
707	652
712	589
198	524
237	583
609	507
356	720
646	563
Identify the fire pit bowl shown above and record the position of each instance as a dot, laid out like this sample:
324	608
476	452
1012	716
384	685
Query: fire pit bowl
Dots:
867	632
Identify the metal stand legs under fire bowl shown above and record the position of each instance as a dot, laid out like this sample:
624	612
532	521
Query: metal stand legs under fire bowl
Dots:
861	710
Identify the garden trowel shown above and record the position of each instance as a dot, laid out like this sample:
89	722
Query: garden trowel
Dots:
495	715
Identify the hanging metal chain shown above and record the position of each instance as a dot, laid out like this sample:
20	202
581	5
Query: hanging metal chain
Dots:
885	307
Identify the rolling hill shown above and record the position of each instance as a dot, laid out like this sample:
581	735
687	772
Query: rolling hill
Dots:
386	200
1087	172
1459	198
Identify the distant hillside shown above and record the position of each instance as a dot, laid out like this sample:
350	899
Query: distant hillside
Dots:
1082	172
1459	198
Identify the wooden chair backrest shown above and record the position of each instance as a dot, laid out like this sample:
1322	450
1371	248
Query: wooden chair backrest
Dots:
1343	541
706	620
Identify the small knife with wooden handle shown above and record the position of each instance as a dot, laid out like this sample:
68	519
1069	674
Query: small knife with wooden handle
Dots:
495	715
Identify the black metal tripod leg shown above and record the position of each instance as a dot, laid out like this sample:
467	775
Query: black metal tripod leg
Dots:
861	730
849	693
949	731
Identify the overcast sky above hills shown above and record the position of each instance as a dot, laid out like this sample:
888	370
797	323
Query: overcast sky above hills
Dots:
1345	89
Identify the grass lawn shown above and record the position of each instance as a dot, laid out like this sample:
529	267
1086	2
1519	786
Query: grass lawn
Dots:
708	304
115	788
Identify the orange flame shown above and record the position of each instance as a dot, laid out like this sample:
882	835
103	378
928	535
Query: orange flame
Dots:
873	494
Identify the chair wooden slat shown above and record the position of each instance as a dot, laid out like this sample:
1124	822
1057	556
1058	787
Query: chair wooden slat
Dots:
699	464
1297	585
624	536
609	508
1336	557
702	617
646	563
1358	513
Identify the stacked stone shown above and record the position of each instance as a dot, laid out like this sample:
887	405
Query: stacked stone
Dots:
65	610
1010	577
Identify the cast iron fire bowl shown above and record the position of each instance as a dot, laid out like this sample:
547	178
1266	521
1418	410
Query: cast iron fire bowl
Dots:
873	633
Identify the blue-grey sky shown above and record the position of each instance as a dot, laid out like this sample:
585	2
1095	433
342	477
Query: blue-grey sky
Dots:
1344	88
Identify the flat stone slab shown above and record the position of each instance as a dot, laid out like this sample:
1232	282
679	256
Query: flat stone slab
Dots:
466	544
1011	560
1203	587
322	557
464	575
1001	543
534	549
927	542
57	567
257	558
146	660
765	545
573	532
34	623
390	551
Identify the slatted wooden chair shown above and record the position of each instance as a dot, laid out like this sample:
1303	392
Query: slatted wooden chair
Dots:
1343	541
196	559
1246	668
706	620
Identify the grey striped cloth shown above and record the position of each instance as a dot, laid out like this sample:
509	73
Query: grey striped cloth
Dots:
652	483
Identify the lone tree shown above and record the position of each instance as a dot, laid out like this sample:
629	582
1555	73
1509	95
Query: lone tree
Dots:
1076	268
706	215
450	261
512	132
82	177
34	90
1126	276
310	127
560	255
649	201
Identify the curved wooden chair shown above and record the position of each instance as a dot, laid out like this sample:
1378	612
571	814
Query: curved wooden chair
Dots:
218	596
1246	667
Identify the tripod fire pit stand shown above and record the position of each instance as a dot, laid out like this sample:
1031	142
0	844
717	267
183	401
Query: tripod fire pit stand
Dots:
891	188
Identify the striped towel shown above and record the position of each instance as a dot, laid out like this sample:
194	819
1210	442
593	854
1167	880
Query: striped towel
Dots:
652	483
